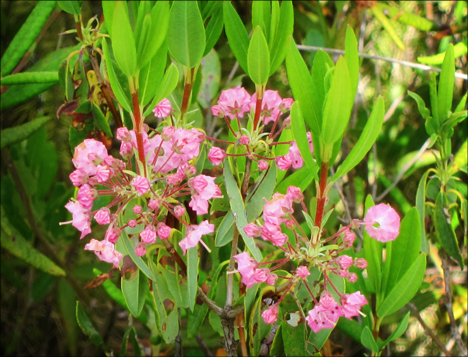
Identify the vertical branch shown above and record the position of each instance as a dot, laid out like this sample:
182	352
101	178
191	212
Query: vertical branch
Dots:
187	91
321	197
138	129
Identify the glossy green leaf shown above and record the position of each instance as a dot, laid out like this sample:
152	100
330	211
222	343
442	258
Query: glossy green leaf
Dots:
236	34
404	289
238	210
373	254
405	249
30	77
368	340
446	84
187	43
400	330
444	230
387	26
257	15
421	206
151	75
350	327
458	50
303	90
26	36
108	12
134	292
300	136
338	104
136	259
285	29
19	133
352	59
168	84
14	243
366	139
192	275
123	43
72	7
258	58
87	327
213	29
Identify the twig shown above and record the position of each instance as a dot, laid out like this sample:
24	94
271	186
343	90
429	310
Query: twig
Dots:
448	304
398	100
202	345
405	168
387	59
427	329
233	71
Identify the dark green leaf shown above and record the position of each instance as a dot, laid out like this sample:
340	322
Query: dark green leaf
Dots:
134	291
421	205
237	35
136	349
400	330
446	84
17	134
72	7
26	36
294	339
151	75
30	77
213	30
434	99
101	121
285	29
187	43
192	275
87	326
373	254
368	340
123	43
136	259
258	58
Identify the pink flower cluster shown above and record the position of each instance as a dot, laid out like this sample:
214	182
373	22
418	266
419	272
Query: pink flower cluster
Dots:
251	273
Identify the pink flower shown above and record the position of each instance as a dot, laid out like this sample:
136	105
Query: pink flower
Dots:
279	207
325	314
123	134
140	249
309	138
345	261
164	231
388	223
148	235
203	189
270	315
283	162
78	178
343	273
163	109
137	209
141	185
132	223
295	194
286	104
270	105
216	155
317	320
88	155
81	217
217	111
294	156
179	211
349	238
360	263
175	179
352	303
102	173
105	251
252	230
262	165
302	272
194	235
126	150
103	216
352	277
112	234
233	103
244	140
187	170
86	196
167	133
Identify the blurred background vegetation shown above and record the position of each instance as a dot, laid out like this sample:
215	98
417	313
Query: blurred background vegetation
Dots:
38	309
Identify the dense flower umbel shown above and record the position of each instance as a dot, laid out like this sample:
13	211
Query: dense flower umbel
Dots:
169	175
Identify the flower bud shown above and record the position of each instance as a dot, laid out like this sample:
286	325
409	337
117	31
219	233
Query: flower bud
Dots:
360	263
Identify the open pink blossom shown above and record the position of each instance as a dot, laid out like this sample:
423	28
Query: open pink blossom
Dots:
325	314
295	194
141	185
88	155
81	217
280	206
148	235
216	155
163	109
352	304
86	196
270	105
294	156
388	222
270	315
123	134
103	216
105	251
283	162
252	230
194	235
203	189
112	234
78	178
302	272
233	103
286	104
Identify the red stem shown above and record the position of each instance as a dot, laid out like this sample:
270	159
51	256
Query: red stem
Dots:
138	130
258	109
321	197
187	91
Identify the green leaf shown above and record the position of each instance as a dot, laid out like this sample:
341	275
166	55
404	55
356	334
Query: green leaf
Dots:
257	15
238	210
72	7
87	326
26	36
294	339
303	91
408	18
366	139
368	340
136	259
187	43
30	77
387	26
446	84
101	121
13	242
151	75
421	206
404	289
19	133
352	59
400	330
236	34
168	84
108	12
300	136
444	230
136	349
405	249
285	29
434	99
258	58
114	81
134	291
373	254
258	329
431	125
338	104
458	50
350	327
302	178
192	275
213	30
123	43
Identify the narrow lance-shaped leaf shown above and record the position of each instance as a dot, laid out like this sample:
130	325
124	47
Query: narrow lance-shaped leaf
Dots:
258	58
26	36
421	206
431	124
192	275
168	84
87	326
366	139
285	29
213	30
446	84
373	255
30	77
352	59
458	50
19	133
134	291
388	26
367	339
187	42
72	7
236	34
158	31
123	43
